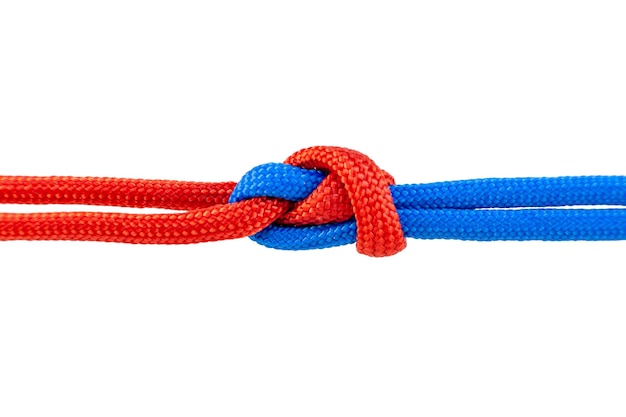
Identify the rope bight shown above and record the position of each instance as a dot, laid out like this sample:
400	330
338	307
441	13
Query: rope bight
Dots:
320	197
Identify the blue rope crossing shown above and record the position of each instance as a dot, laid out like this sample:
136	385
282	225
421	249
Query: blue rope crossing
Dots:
482	210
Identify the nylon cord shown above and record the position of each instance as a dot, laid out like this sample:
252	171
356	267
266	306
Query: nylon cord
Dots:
320	197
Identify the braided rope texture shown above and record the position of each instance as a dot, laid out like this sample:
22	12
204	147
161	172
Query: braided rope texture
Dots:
320	197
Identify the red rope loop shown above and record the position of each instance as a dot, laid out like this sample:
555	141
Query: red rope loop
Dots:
355	186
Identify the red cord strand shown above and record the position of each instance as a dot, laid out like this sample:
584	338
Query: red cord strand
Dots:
209	217
119	192
355	186
379	232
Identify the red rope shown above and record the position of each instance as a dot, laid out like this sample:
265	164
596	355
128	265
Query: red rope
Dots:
354	186
379	232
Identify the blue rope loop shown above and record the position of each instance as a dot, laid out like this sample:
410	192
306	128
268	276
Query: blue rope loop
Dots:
482	209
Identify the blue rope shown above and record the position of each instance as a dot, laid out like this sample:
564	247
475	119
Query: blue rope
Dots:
483	209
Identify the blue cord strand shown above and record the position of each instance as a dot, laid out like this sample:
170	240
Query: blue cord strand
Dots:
483	210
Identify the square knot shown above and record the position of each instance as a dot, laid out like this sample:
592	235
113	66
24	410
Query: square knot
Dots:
329	186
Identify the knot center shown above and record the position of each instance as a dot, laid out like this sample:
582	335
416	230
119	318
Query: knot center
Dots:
331	185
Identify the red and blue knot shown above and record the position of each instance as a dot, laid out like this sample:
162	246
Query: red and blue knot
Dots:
320	197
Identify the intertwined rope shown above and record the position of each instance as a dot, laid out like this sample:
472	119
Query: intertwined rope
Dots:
320	197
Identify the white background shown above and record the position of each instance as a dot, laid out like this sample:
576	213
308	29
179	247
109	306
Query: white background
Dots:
207	90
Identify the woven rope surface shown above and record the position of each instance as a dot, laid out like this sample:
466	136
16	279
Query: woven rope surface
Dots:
320	197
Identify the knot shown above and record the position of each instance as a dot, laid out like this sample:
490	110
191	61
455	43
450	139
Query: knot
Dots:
328	186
